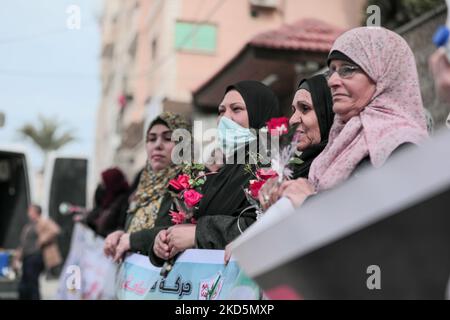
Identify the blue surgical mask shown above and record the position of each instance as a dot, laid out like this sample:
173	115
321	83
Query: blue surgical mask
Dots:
232	136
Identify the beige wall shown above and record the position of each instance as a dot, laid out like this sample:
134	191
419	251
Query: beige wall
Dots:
174	75
236	27
119	24
341	13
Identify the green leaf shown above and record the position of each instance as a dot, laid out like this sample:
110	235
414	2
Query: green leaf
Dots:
296	161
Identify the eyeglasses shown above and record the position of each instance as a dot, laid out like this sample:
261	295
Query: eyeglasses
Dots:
344	72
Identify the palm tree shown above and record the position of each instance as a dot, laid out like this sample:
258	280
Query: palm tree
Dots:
46	136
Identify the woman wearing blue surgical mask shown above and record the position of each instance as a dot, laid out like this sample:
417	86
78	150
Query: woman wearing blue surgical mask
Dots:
246	105
233	124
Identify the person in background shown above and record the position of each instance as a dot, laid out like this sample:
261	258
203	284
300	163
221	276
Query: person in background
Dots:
439	63
111	203
82	215
440	68
38	251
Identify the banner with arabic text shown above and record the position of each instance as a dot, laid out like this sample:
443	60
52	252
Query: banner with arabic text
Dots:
196	275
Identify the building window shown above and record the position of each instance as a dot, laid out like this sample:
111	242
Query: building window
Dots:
196	37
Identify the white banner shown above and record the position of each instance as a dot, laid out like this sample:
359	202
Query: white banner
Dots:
87	273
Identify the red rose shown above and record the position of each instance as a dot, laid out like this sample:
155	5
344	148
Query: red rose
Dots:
255	186
192	197
193	221
266	174
180	183
177	217
278	126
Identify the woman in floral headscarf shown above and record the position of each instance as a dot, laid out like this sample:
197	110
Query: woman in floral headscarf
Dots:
151	200
376	97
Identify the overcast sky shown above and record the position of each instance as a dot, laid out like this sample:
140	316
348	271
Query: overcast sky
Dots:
49	69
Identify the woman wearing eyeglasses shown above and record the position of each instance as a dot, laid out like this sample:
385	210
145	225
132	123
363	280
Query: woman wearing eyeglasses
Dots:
378	105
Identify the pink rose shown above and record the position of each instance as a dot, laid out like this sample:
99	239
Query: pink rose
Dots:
177	217
278	126
180	183
255	186
192	197
266	174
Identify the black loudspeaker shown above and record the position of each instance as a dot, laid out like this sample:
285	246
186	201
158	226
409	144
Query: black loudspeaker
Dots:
384	234
14	197
68	184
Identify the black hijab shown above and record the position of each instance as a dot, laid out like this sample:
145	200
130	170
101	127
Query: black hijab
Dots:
261	102
323	106
223	192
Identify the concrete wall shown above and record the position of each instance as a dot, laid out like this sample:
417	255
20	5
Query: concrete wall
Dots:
419	34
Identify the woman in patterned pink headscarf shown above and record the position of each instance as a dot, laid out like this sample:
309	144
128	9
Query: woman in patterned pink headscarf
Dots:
378	105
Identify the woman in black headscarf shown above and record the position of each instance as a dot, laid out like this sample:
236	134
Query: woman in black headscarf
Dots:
312	109
246	105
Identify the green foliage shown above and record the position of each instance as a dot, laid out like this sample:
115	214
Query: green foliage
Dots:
296	161
45	135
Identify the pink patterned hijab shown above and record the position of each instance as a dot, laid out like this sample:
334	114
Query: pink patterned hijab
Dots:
394	116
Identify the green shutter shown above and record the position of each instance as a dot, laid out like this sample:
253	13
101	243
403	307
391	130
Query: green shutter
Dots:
183	37
194	37
205	39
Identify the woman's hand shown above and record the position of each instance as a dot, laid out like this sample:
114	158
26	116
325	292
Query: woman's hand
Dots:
111	242
161	247
440	68
17	260
180	237
296	190
269	193
228	254
122	247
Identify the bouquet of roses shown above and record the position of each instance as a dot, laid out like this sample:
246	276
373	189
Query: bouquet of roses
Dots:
282	156
185	190
186	193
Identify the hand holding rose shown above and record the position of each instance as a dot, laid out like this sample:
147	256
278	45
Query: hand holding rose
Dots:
180	237
296	190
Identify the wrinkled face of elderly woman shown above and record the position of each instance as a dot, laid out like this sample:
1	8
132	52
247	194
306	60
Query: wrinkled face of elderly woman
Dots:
305	116
350	87
159	147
